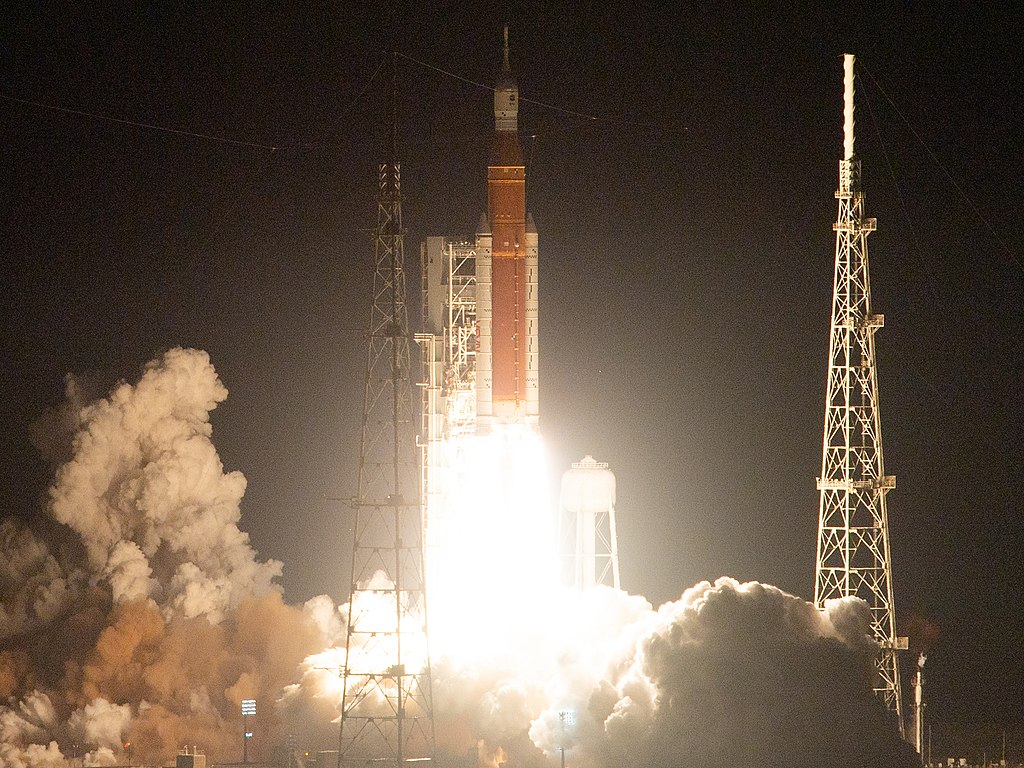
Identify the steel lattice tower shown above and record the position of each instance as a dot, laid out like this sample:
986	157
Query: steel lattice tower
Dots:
387	708
853	530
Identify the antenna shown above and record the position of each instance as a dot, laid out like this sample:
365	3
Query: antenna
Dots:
394	109
505	66
848	106
853	557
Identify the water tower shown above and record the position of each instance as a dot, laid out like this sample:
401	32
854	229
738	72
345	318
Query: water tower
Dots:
588	520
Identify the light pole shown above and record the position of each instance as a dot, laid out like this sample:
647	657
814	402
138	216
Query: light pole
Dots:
248	708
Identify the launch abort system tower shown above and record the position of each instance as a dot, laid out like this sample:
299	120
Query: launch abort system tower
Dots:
853	528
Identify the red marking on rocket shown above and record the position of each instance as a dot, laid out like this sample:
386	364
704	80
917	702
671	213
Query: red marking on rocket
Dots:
506	213
506	204
508	359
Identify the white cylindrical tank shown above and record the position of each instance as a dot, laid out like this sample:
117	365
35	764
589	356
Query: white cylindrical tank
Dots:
589	485
588	504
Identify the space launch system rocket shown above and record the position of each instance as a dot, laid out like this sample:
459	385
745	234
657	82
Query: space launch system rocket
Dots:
507	367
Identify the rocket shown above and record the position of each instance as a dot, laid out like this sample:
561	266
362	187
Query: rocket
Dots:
507	368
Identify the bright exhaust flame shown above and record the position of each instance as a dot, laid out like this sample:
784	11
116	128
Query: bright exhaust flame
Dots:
491	550
490	559
377	620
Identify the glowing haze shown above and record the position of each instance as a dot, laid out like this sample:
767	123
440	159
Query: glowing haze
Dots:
494	541
136	611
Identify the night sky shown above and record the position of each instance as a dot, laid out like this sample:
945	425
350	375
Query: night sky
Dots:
681	171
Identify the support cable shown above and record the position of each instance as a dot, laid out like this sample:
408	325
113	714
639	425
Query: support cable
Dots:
136	124
899	196
196	134
918	250
553	107
981	217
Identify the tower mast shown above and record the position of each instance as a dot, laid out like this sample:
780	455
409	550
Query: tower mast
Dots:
386	706
853	529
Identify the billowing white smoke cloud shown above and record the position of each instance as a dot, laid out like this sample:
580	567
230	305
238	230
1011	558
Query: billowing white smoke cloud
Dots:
146	488
32	756
31	721
729	674
34	587
24	734
101	723
142	613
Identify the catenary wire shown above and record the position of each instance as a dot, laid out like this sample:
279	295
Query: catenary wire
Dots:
956	186
545	105
918	251
149	126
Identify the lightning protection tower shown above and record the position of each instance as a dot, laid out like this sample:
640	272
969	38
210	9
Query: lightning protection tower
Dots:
386	706
853	529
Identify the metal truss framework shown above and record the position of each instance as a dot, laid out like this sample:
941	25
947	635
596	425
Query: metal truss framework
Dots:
460	339
587	525
387	708
449	382
853	555
606	554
